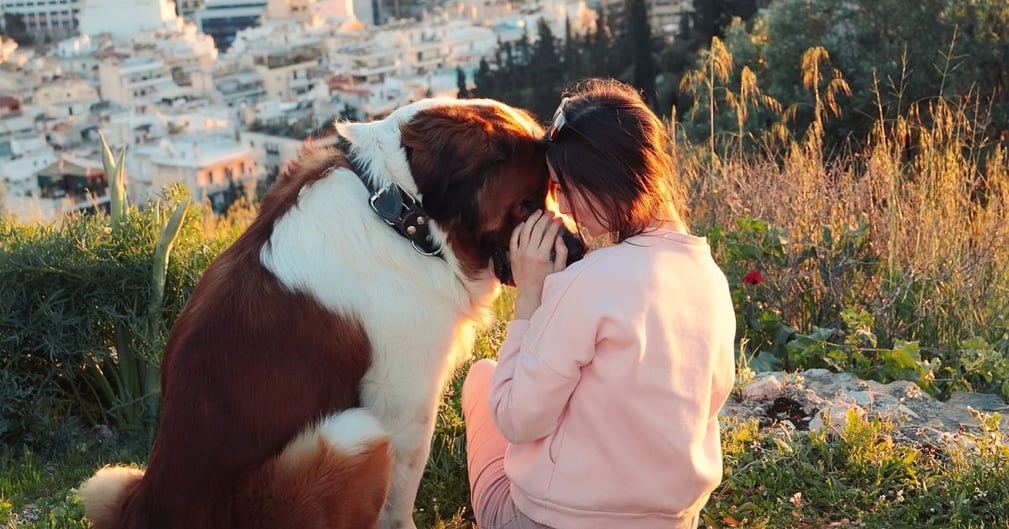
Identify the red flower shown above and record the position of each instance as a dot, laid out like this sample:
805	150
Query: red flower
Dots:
753	277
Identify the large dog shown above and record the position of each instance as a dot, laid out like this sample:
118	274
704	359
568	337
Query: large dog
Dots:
301	382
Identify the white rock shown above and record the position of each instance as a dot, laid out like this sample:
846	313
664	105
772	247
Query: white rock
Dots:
861	398
763	389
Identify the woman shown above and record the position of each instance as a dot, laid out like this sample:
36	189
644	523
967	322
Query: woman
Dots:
601	411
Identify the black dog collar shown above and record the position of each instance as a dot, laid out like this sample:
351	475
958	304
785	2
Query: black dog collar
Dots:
398	208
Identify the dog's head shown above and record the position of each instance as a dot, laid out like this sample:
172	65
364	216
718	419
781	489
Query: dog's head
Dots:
477	167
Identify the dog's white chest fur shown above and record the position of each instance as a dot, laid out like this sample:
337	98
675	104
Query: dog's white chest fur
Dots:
419	314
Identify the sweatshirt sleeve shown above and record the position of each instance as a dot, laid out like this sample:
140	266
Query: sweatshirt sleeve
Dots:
540	363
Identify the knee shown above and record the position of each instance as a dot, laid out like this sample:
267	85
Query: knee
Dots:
477	382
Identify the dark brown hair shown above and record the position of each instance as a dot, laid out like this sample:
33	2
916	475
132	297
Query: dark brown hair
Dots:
613	148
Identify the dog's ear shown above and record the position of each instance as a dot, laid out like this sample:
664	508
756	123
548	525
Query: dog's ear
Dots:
453	150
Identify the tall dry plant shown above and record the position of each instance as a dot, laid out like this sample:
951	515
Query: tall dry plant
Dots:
929	188
718	67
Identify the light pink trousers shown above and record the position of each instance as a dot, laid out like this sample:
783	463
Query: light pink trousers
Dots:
485	451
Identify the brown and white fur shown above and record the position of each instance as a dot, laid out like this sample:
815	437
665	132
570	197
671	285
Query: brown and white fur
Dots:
301	382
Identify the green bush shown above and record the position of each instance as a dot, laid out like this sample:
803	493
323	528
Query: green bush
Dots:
81	326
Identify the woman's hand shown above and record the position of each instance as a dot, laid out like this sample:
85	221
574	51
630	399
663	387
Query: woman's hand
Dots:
530	248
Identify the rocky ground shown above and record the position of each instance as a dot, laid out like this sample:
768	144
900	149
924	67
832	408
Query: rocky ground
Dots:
818	398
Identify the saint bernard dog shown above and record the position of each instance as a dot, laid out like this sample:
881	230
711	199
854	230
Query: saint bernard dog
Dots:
301	382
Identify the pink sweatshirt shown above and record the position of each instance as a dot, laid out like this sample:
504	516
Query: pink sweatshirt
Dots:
609	394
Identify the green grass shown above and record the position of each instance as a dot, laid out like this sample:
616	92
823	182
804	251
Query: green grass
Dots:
40	492
864	476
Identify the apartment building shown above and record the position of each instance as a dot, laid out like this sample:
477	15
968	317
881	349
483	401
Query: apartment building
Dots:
288	72
367	62
123	19
53	19
185	51
79	55
129	80
66	97
213	166
289	9
663	15
240	87
223	19
187	8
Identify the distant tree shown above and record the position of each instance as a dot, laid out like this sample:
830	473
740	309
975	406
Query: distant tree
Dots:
981	54
498	61
572	68
519	74
600	46
640	42
509	53
683	27
460	81
621	51
710	18
523	48
884	50
545	72
483	81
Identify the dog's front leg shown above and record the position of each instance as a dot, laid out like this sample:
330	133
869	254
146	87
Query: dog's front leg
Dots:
410	421
410	452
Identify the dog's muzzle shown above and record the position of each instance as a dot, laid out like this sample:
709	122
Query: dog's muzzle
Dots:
502	257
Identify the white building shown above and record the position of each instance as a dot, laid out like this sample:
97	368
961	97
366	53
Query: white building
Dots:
19	124
465	43
240	87
66	97
369	101
272	152
187	8
339	10
368	62
121	19
79	55
663	15
288	72
186	52
289	10
45	18
210	166
130	80
20	159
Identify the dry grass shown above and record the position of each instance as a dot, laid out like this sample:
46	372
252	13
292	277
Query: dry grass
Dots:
932	191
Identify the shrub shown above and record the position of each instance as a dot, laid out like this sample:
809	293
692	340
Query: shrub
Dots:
85	308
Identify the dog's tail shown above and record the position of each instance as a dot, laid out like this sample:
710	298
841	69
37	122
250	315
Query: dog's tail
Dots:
104	493
335	474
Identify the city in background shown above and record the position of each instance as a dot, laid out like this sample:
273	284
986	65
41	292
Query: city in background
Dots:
218	94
